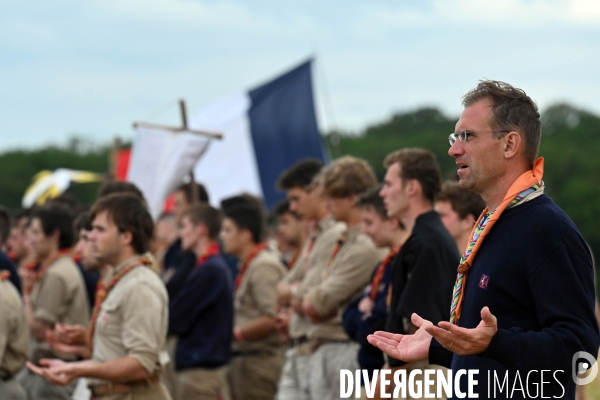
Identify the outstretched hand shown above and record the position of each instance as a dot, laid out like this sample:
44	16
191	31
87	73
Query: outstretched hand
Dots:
54	371
407	348
463	341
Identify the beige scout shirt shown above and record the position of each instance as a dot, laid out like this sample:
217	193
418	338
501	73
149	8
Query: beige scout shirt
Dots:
327	233
14	332
59	297
256	297
133	321
340	281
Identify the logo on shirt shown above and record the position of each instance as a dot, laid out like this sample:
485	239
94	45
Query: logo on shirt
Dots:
484	281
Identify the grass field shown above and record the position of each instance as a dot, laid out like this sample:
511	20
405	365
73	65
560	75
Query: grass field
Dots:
592	390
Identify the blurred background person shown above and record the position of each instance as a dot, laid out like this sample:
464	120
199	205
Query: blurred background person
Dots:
178	263
54	293
19	249
83	226
202	313
257	352
6	264
14	339
120	187
303	185
165	234
291	232
327	291
459	210
367	313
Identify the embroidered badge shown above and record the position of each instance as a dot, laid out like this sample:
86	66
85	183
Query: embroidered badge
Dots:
484	281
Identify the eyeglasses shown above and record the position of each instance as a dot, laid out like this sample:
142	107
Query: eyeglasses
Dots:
463	136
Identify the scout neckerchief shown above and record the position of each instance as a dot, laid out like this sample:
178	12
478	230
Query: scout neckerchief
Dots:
76	258
102	291
378	277
39	274
211	250
253	253
4	275
526	184
334	253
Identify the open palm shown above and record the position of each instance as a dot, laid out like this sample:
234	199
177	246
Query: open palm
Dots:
407	348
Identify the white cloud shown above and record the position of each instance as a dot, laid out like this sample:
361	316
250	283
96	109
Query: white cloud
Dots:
491	14
584	11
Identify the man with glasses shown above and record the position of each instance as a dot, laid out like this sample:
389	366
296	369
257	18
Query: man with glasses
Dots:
523	301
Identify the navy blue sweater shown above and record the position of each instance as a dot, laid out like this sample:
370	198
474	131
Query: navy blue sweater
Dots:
534	271
202	316
357	328
183	262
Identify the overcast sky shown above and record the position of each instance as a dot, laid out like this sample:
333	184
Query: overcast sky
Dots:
92	67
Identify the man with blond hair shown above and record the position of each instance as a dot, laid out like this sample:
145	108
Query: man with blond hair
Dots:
302	183
327	291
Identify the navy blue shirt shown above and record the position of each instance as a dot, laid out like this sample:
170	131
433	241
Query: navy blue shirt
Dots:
7	265
357	328
534	271
202	316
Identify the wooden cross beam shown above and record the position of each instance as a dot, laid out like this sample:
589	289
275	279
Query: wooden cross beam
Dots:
181	129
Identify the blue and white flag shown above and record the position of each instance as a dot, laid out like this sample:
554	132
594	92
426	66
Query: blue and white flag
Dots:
266	130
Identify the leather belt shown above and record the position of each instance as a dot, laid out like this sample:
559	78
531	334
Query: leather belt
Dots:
104	389
7	378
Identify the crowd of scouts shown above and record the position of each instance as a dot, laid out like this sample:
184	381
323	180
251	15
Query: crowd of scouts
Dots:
209	303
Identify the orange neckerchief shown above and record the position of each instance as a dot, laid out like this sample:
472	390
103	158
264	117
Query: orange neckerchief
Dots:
253	253
39	274
103	291
378	277
211	250
4	275
76	257
523	182
12	256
